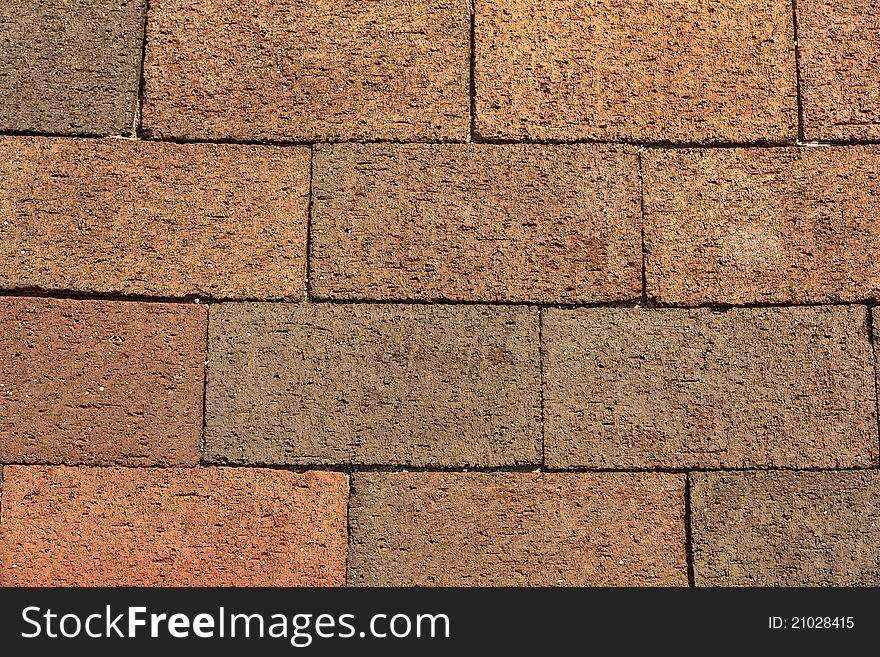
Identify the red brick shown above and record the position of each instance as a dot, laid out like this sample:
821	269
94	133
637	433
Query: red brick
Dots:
172	527
70	66
517	529
131	217
782	225
308	71
839	44
644	70
476	223
752	387
97	382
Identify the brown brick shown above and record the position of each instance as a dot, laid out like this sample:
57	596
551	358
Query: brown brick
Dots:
752	387
517	529
786	528
476	223
786	225
839	44
130	217
98	382
373	384
308	71
172	527
70	66
644	70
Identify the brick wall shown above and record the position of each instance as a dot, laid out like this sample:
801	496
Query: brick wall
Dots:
439	292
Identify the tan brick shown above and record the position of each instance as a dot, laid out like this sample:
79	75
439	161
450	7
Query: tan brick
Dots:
786	528
839	44
644	70
373	384
752	387
172	527
121	216
308	71
782	225
98	382
517	529
70	66
476	223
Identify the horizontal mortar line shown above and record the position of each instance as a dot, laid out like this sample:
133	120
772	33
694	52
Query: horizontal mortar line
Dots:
647	145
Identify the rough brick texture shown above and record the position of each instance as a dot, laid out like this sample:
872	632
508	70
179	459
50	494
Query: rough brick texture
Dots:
789	225
784	387
645	70
476	222
99	382
373	384
786	528
517	529
839	44
70	66
308	71
172	527
121	216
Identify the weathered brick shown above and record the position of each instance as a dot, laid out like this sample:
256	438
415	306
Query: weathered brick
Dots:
98	382
839	43
645	70
308	71
786	528
373	384
517	529
70	66
131	217
476	222
786	225
172	527
751	387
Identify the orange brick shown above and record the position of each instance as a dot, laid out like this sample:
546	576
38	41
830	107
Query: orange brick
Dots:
98	382
172	527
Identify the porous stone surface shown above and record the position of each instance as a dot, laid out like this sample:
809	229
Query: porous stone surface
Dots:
786	528
639	70
172	527
839	47
70	66
517	529
308	71
781	225
373	385
476	223
750	387
120	216
100	382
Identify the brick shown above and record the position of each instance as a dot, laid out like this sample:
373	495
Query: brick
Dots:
751	387
642	70
786	528
373	385
476	223
308	71
70	66
839	45
517	529
172	527
144	218
100	382
739	226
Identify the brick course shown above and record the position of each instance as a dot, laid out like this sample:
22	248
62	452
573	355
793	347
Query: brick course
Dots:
100	382
517	529
476	223
168	220
172	527
779	387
